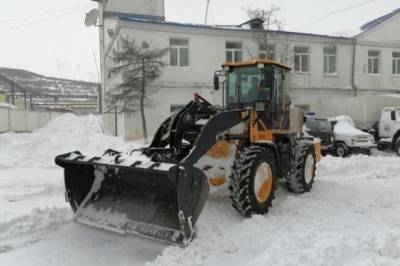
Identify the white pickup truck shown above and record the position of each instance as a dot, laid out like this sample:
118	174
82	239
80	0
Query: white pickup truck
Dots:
387	131
349	139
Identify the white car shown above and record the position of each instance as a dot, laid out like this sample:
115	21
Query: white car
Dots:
349	139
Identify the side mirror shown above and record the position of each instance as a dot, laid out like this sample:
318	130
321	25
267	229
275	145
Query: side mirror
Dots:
216	83
393	115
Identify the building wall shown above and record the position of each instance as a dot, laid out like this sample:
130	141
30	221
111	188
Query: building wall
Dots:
207	52
385	38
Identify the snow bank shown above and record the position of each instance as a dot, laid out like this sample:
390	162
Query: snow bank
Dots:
64	134
38	220
352	217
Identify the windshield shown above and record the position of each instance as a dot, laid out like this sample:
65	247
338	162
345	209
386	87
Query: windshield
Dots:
249	84
317	124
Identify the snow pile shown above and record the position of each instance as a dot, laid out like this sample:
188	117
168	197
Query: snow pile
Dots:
38	220
64	134
345	128
352	217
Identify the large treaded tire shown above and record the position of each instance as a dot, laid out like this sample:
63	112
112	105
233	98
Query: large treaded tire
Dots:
242	186
298	181
397	146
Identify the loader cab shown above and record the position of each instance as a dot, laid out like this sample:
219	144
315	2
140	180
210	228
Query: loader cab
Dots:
262	84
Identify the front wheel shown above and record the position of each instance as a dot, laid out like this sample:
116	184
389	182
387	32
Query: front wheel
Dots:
253	181
341	150
397	146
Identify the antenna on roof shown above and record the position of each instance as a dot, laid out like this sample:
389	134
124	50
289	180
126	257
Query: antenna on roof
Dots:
208	4
91	17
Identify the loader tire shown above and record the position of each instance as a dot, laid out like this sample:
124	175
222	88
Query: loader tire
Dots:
253	180
397	146
301	179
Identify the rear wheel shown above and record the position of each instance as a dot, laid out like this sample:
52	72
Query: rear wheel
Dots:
302	177
341	150
397	146
253	181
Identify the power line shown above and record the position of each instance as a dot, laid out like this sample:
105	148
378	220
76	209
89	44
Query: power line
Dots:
44	20
43	13
335	12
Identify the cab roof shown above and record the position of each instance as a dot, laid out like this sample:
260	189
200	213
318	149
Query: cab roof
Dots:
256	62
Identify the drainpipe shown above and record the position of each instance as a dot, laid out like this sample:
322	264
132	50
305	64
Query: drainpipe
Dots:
353	66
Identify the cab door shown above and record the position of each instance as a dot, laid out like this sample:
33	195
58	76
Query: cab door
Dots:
282	98
384	125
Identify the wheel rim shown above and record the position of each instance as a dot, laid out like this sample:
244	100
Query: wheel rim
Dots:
340	151
263	182
309	169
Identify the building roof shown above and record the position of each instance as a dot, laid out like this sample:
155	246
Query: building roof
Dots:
133	18
377	21
256	62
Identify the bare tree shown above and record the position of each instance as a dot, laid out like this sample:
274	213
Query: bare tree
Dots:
139	67
270	33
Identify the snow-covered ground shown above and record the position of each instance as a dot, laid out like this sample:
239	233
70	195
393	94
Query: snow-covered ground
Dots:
351	217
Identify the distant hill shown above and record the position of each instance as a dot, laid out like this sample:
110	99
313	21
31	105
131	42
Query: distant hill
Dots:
36	84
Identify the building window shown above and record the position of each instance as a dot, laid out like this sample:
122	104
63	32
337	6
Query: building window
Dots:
373	61
301	59
267	51
330	60
179	52
233	51
396	63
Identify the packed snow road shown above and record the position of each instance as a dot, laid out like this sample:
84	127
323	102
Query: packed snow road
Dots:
351	217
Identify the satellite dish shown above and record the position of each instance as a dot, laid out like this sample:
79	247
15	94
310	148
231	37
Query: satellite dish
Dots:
91	17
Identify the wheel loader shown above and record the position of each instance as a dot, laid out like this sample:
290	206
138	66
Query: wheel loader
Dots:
159	191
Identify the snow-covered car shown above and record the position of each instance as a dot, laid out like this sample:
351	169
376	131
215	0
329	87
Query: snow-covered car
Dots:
349	139
320	128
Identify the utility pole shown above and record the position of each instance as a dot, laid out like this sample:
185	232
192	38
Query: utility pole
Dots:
25	99
12	93
208	5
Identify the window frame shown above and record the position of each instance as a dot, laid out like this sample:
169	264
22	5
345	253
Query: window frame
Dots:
372	59
300	55
179	48
266	51
327	57
233	52
395	63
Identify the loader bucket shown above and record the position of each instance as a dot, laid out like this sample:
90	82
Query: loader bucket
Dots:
156	200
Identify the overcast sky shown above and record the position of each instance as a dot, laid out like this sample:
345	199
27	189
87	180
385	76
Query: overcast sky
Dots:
49	36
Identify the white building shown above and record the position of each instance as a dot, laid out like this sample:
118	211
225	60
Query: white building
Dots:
323	66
